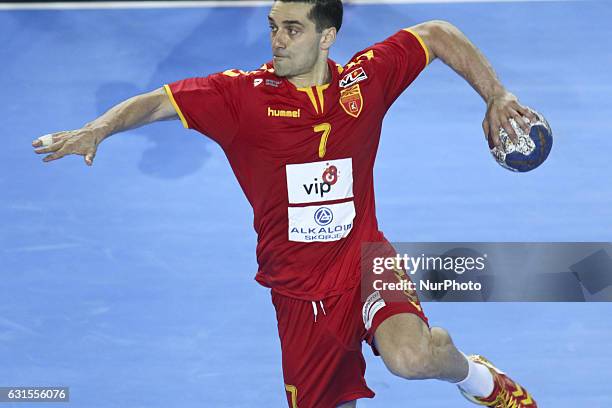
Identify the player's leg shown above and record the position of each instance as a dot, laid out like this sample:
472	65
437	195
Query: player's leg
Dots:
352	404
396	323
399	331
412	350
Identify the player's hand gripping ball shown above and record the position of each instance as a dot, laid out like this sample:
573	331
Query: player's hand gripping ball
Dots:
532	149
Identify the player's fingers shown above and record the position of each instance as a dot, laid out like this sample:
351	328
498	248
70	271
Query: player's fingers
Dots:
90	156
526	112
485	129
54	156
494	139
43	141
47	140
521	121
52	148
509	129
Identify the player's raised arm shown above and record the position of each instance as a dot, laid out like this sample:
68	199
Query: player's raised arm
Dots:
446	42
132	113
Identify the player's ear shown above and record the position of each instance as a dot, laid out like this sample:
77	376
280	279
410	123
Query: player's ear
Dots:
328	37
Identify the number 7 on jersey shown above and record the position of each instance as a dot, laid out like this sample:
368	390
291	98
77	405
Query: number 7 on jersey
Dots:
326	129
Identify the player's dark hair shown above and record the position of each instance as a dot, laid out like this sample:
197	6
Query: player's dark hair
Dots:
325	13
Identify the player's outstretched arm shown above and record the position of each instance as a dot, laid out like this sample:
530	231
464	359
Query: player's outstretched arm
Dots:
132	113
446	42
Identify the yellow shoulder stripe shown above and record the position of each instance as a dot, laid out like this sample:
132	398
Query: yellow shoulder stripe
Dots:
176	107
418	37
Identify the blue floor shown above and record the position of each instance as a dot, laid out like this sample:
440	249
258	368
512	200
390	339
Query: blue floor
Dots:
131	281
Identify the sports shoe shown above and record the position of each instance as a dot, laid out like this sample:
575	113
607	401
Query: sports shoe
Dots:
506	392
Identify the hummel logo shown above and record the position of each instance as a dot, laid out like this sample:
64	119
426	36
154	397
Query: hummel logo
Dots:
283	113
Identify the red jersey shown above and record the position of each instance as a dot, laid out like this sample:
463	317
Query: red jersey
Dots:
304	158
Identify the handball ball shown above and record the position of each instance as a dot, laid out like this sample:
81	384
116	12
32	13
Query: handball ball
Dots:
532	148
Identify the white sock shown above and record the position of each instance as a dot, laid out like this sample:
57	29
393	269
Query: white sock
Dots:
479	381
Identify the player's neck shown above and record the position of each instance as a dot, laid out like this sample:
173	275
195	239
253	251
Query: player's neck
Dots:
319	75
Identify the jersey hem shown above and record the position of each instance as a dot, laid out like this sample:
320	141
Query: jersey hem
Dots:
353	396
176	107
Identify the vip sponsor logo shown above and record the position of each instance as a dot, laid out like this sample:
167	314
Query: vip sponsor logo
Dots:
351	100
330	175
320	181
318	188
257	82
353	77
273	83
281	113
321	224
324	185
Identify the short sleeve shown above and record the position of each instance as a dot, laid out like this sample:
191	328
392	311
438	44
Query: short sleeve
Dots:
398	61
209	105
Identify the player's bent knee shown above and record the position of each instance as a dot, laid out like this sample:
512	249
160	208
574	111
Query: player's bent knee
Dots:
407	346
440	337
413	362
419	363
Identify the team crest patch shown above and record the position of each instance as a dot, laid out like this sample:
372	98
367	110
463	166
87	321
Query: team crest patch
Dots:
351	100
353	77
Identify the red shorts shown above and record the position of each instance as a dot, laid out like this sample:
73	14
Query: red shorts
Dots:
323	365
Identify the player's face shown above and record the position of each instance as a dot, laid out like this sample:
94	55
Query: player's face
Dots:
295	41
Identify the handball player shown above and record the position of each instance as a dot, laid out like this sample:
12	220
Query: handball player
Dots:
301	135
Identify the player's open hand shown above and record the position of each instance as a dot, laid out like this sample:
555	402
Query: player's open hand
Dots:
500	109
83	142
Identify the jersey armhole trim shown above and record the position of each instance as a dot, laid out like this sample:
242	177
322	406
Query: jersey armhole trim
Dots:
176	107
420	40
